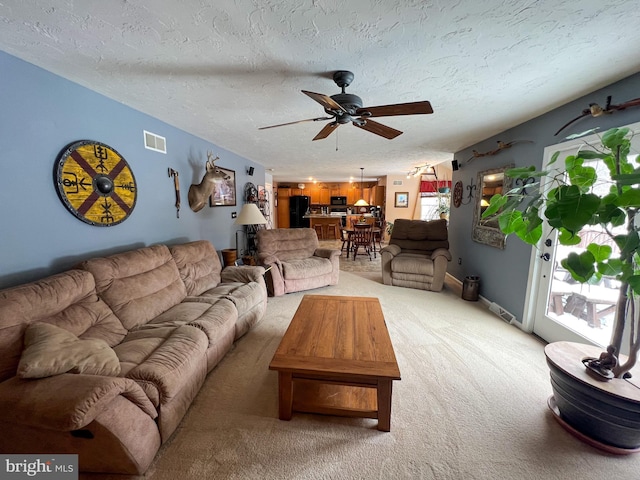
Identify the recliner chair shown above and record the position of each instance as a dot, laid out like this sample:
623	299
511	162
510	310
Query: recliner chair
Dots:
296	260
417	254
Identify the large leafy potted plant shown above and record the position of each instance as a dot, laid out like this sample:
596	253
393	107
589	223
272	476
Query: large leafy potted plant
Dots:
599	403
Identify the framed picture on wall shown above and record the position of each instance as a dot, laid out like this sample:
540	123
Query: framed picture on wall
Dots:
224	190
402	200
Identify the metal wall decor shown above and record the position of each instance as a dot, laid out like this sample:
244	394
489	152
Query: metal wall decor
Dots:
524	182
95	183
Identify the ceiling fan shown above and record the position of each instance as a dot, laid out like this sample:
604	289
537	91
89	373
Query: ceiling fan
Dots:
347	107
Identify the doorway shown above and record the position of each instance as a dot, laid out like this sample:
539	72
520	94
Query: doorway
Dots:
557	307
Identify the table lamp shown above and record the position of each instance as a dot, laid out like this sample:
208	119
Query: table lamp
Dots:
249	215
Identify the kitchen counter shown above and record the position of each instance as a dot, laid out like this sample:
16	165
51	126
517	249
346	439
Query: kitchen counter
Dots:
337	216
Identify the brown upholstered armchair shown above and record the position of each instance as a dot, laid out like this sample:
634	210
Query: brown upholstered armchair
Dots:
417	254
297	263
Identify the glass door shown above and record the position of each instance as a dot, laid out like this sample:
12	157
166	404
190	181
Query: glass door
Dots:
559	308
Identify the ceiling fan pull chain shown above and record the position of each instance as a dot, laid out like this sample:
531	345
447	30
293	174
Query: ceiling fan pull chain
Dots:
336	141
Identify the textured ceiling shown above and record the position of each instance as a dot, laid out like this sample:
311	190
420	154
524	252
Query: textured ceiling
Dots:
222	68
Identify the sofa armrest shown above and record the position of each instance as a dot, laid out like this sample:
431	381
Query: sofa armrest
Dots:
387	254
392	249
326	252
274	279
242	274
441	252
66	402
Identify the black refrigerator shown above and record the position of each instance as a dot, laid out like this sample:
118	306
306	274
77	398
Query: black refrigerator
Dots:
298	206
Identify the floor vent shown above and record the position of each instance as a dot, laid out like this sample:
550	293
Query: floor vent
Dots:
154	142
502	313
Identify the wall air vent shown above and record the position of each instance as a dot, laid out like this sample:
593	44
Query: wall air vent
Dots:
154	142
502	313
397	182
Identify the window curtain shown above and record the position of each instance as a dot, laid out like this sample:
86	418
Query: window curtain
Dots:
429	188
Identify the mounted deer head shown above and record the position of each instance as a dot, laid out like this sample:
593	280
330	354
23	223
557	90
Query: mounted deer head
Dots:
199	193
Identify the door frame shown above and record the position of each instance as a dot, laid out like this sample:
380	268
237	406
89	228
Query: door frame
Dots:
537	264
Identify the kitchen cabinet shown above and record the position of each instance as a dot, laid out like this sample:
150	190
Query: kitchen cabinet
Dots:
284	192
314	194
376	195
353	194
325	196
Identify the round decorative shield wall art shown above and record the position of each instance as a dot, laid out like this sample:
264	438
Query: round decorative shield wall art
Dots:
95	183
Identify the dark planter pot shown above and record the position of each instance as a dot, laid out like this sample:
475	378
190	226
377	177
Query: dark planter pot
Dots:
605	412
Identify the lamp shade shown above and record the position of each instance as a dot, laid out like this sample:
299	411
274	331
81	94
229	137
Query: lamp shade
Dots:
250	215
361	203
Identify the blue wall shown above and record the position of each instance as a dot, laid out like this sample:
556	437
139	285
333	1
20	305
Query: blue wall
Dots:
504	273
41	113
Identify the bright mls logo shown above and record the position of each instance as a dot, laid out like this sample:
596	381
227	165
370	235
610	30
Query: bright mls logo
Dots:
51	467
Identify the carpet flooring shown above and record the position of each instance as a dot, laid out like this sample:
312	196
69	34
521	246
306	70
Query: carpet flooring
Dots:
471	405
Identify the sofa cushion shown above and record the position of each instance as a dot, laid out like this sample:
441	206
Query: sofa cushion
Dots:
138	285
287	244
67	300
306	268
243	295
420	235
214	317
198	325
412	264
168	361
198	264
51	350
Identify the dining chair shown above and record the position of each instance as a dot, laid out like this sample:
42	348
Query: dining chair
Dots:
362	238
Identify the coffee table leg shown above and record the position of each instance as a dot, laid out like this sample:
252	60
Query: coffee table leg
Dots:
384	405
285	395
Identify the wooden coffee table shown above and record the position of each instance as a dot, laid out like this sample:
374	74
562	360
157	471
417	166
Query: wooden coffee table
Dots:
336	358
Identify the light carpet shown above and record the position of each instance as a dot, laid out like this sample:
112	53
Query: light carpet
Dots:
471	405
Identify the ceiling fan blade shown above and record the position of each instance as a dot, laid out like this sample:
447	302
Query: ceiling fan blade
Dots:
412	108
378	128
324	100
299	121
328	129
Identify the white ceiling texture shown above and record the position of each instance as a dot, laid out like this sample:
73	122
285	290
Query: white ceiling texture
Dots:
220	69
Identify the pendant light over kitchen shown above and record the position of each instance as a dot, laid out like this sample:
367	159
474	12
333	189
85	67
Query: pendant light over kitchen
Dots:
362	202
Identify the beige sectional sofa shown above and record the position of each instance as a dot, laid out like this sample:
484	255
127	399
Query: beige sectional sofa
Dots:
105	359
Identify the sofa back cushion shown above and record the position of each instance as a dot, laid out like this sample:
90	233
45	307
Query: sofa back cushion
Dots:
419	236
198	264
138	285
67	300
287	243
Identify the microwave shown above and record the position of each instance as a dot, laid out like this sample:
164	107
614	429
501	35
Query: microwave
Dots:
338	200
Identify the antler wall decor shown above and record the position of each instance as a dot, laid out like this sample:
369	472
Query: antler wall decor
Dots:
596	110
198	193
501	146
